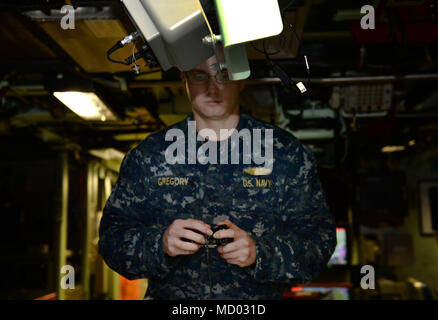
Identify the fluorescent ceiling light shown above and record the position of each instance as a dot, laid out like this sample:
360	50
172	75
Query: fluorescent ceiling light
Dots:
313	134
132	136
389	149
87	105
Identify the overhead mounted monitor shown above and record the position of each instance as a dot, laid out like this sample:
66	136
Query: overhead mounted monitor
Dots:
179	33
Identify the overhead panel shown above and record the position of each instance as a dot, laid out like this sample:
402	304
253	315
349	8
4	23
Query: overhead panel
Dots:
88	43
16	40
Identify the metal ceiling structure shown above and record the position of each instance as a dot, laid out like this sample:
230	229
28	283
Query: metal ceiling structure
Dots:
37	54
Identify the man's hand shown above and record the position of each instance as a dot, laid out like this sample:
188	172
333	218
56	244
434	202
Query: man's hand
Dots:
242	251
173	245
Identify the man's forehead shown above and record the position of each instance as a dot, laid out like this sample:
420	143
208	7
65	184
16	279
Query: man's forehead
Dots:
209	64
214	66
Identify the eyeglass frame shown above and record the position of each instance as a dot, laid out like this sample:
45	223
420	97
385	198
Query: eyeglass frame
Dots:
186	73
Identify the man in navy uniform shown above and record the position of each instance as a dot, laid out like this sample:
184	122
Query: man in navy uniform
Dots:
160	212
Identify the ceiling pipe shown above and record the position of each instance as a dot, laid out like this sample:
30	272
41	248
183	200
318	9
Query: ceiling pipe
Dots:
323	81
259	81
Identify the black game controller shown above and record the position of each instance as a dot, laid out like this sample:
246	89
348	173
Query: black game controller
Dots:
211	242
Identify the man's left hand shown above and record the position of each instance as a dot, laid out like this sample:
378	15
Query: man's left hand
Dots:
242	251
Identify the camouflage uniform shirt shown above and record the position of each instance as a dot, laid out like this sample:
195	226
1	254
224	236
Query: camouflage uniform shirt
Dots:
284	212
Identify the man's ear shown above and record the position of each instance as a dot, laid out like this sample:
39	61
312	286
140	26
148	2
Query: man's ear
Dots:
185	83
183	80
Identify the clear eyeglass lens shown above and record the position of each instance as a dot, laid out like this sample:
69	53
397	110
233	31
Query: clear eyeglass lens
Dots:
222	76
199	77
202	77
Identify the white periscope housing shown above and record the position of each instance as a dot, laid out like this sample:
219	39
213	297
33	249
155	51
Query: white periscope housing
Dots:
176	30
247	20
242	21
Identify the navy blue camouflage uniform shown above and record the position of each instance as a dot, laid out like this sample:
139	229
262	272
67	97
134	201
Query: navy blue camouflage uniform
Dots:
284	212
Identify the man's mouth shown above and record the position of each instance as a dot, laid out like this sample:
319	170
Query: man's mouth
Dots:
214	101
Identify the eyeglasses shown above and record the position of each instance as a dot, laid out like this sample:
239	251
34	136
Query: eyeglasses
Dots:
202	78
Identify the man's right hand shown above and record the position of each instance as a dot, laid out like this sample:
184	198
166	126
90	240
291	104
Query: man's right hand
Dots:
173	245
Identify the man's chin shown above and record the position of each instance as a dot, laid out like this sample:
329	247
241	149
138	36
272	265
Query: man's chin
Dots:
214	112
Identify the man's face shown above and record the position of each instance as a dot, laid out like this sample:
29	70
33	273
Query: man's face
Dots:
212	100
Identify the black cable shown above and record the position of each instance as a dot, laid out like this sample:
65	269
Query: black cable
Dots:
209	271
138	55
285	79
115	47
262	52
308	71
283	36
282	43
116	61
288	5
120	44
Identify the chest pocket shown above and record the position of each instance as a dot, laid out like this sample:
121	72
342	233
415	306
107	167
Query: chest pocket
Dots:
170	198
255	202
254	193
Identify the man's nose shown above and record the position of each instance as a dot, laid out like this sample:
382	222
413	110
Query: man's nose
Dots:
213	86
